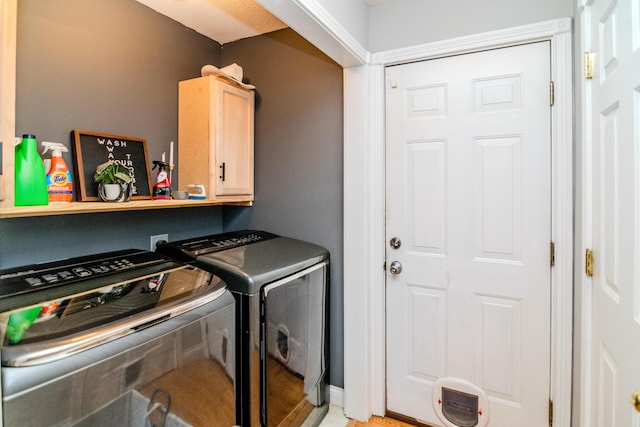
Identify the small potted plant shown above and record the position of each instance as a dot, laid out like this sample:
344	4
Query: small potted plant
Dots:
114	181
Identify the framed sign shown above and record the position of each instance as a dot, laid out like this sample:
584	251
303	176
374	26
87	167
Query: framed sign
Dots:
92	149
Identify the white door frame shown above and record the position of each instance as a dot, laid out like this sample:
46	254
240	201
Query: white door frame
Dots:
364	245
584	295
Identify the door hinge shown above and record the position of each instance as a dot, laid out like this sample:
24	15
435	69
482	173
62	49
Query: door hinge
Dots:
550	413
552	94
552	253
588	65
588	263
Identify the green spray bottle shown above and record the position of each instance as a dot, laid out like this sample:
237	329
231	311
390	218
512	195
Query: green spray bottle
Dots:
30	186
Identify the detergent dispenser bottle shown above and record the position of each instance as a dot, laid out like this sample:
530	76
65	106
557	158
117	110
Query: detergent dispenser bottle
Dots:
30	186
59	182
162	187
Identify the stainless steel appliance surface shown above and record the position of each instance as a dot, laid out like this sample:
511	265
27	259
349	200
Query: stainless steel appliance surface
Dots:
126	338
280	288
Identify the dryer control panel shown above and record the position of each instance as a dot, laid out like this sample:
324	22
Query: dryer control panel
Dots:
188	250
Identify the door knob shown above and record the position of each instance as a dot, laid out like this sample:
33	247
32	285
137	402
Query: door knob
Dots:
395	242
635	400
395	267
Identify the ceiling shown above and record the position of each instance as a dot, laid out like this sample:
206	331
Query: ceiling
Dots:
224	20
221	20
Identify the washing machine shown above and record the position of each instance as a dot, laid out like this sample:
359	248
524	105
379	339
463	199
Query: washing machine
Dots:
126	338
280	288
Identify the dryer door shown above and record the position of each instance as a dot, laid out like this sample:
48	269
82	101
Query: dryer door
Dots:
292	344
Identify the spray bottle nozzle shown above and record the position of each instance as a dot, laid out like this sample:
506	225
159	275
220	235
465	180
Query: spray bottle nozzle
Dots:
160	164
53	146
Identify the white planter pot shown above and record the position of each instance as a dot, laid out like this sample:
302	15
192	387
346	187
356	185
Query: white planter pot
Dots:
120	192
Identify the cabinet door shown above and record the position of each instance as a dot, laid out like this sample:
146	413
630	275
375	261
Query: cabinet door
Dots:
232	129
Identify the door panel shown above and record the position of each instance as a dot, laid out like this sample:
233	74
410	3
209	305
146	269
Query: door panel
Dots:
612	117
468	194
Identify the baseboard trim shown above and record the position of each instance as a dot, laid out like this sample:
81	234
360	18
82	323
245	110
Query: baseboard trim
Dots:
336	396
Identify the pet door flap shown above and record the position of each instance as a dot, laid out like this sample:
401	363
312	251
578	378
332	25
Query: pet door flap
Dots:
460	408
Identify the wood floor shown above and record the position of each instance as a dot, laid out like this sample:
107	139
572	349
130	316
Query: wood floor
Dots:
379	422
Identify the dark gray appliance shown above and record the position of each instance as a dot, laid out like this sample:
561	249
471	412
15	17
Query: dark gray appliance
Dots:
126	338
280	287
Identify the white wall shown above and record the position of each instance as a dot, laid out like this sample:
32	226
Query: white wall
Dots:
403	23
352	15
348	30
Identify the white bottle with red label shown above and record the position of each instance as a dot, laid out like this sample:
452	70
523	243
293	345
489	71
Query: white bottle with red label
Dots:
162	187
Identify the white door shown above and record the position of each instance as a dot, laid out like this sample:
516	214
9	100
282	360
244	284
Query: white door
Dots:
468	196
613	124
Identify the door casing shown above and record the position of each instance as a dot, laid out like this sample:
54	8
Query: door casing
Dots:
364	277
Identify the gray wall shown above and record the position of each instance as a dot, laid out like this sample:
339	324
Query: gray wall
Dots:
298	153
39	239
113	66
403	23
106	66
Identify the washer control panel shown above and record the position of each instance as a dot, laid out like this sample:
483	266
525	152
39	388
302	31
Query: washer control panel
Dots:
58	273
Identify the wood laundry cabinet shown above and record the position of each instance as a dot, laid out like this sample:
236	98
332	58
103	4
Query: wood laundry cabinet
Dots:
215	138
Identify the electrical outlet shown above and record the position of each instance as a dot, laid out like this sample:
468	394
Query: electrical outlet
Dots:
154	240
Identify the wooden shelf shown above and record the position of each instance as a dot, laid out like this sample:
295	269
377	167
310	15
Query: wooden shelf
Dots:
95	207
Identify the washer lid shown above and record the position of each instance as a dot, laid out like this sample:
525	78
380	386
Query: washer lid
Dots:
59	328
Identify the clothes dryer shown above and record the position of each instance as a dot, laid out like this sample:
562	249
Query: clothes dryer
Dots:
280	288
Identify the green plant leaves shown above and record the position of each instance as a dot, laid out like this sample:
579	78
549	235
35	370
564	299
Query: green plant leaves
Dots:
111	173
